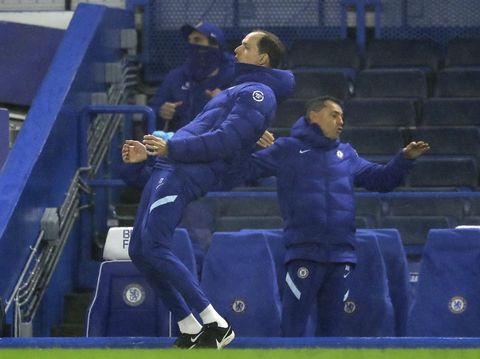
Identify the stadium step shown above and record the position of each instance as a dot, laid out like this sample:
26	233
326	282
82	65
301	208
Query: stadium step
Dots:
75	311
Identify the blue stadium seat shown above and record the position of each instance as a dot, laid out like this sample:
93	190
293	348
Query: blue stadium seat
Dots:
398	275
428	206
406	83
313	84
447	297
288	112
463	53
124	304
246	206
240	280
325	54
444	171
414	229
451	112
369	207
380	112
446	140
374	141
403	53
458	83
368	310
229	224
274	238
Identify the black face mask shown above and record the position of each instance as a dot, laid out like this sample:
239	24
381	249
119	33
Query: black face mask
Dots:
203	60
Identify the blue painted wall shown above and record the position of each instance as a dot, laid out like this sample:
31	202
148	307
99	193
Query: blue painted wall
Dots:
27	52
45	156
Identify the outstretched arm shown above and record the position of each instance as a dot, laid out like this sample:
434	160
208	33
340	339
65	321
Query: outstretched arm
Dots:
384	178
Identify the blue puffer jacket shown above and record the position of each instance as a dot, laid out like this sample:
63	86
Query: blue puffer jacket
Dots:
315	185
178	85
226	130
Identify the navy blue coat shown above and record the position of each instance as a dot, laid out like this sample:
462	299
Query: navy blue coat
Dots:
179	86
315	185
227	129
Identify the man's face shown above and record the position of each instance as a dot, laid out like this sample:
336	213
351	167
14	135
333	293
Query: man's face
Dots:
247	52
197	38
329	118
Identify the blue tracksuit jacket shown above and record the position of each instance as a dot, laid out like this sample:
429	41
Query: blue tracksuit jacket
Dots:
225	131
315	185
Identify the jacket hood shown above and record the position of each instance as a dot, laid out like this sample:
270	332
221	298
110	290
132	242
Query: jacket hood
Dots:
282	82
312	134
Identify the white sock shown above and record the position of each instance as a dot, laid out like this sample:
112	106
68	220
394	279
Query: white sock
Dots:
210	315
189	325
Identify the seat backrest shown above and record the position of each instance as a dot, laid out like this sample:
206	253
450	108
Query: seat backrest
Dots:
324	53
463	52
444	171
380	112
240	280
288	112
396	266
402	53
414	229
314	84
382	83
446	299
446	140
374	141
451	112
427	206
124	305
455	82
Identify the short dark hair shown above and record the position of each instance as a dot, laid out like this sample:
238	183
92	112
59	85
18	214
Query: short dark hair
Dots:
318	103
271	45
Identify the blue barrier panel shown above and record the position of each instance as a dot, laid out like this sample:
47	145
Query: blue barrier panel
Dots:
41	164
4	137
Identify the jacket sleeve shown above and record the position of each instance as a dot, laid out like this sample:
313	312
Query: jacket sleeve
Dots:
243	171
136	174
381	178
240	130
164	93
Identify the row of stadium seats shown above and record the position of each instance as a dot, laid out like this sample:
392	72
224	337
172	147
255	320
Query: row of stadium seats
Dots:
394	112
244	277
405	83
413	216
382	53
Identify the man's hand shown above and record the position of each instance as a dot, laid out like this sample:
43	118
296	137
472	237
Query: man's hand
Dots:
167	111
266	140
155	146
213	93
133	152
415	149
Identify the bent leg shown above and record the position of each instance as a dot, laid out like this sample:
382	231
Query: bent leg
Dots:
159	214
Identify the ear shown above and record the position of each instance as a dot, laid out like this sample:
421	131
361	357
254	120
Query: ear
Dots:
264	60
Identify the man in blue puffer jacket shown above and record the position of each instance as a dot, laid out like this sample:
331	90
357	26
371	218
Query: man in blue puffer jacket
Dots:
193	162
186	89
316	174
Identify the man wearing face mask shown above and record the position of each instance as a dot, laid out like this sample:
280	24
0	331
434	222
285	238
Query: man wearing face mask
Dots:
186	89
